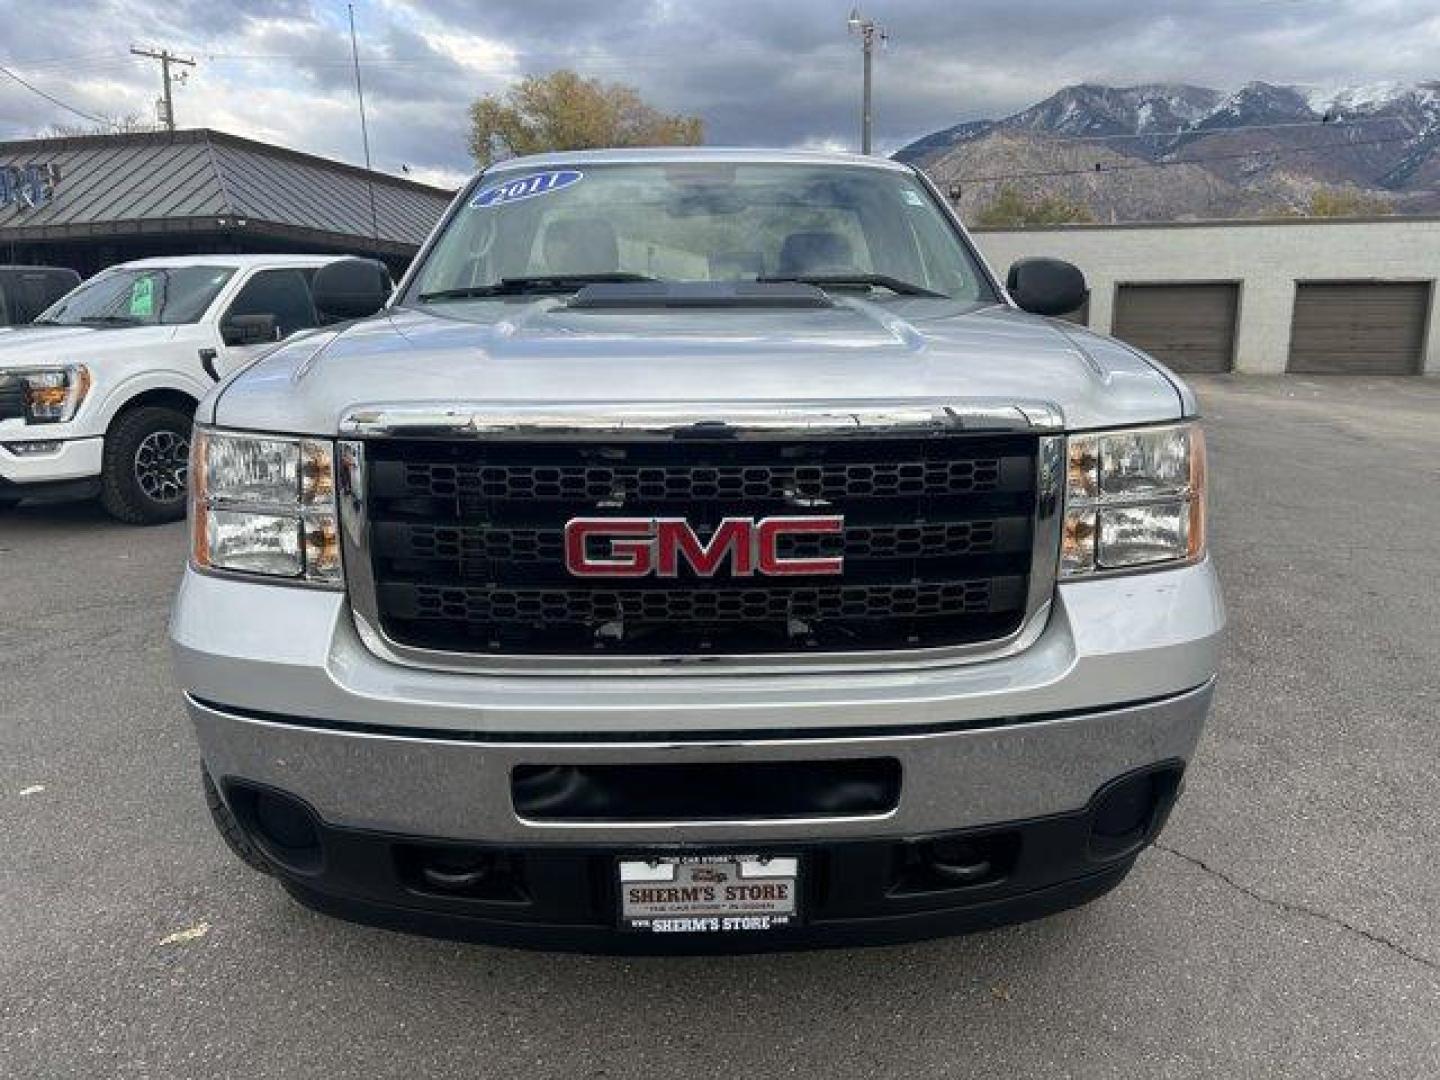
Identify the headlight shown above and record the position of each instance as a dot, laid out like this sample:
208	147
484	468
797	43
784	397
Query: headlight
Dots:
265	505
1134	499
53	395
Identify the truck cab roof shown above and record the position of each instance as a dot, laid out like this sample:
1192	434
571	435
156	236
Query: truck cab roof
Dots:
667	155
235	262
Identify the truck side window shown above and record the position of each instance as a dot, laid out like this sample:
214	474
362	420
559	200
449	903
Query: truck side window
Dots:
284	294
35	295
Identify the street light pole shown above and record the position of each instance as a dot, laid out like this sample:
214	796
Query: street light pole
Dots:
868	30
364	130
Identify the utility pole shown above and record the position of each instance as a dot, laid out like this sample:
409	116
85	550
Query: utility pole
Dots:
364	130
166	58
868	30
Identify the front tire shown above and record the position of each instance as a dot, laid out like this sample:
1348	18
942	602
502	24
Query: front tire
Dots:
146	465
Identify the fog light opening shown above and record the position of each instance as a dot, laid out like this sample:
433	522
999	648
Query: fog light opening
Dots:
1128	812
37	448
284	827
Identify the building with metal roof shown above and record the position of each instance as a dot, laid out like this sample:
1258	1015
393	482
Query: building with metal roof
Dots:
90	201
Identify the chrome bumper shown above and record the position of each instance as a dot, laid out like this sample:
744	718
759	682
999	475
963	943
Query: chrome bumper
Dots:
456	787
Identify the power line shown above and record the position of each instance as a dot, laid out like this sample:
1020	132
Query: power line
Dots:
1100	168
32	63
1179	132
56	101
756	50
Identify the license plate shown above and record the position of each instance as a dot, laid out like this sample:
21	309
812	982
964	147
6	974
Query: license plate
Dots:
706	894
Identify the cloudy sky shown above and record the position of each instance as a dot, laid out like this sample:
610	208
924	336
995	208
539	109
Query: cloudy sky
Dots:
759	72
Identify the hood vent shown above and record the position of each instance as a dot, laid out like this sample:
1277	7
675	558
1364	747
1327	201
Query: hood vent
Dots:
700	294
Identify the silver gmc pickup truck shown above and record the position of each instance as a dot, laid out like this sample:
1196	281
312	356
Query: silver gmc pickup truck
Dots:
698	549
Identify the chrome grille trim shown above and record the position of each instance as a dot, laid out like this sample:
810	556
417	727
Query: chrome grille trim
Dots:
863	419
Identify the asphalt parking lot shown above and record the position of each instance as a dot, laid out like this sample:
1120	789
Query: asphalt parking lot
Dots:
1288	925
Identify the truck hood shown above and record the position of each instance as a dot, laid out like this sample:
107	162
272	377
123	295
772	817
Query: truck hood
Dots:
543	352
25	346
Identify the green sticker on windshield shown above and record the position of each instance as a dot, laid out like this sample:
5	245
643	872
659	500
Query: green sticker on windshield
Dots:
142	297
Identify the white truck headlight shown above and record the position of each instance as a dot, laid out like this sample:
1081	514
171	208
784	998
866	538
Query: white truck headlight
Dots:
54	395
1134	499
264	505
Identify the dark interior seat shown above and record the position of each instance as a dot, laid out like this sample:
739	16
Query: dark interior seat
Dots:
736	265
581	246
816	253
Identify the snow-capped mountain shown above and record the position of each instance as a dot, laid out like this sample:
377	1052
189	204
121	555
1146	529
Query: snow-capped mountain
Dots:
1088	110
1275	144
1258	103
1085	111
1408	114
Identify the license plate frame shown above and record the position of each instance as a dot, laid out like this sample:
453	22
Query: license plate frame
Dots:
756	908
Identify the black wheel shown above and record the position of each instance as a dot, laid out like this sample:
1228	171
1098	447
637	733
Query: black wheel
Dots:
146	465
229	829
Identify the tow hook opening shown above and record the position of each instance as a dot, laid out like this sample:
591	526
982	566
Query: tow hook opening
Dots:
462	873
941	864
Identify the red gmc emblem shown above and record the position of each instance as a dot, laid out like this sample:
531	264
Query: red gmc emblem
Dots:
642	546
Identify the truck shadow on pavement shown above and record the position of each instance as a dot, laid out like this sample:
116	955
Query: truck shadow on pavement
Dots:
82	512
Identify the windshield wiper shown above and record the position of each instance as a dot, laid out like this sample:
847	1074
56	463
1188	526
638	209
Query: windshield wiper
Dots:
110	320
883	281
517	286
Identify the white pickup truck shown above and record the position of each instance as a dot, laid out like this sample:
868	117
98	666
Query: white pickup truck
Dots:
97	394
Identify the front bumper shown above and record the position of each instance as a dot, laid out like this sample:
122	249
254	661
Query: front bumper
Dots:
457	788
285	698
409	803
71	460
858	892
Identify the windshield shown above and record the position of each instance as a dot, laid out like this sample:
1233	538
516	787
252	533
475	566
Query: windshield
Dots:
141	297
836	226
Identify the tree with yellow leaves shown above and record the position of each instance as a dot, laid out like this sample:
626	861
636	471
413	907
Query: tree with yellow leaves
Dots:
563	111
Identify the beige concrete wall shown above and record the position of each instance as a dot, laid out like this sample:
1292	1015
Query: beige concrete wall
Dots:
1265	258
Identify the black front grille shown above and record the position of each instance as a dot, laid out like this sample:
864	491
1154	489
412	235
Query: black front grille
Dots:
406	600
468	543
12	397
686	483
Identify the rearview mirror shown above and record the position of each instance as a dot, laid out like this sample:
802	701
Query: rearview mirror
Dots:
1046	286
248	330
351	289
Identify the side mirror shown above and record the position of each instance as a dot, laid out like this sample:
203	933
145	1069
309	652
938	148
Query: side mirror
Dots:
351	289
1046	286
248	330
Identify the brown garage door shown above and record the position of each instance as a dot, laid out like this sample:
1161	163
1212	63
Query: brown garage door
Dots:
1188	327
1359	327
